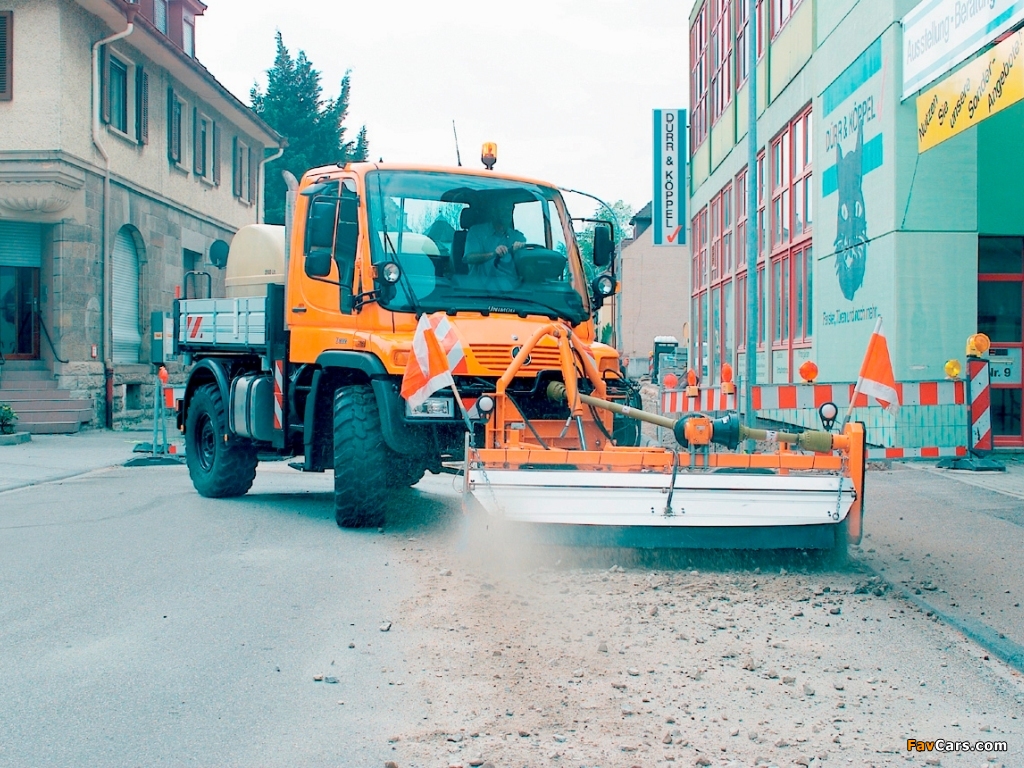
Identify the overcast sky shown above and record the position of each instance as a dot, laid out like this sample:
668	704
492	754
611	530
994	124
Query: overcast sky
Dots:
565	87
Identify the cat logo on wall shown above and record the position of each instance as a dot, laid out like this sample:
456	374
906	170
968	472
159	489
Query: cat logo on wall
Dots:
852	225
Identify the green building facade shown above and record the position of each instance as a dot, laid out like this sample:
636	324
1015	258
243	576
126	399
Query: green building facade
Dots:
855	221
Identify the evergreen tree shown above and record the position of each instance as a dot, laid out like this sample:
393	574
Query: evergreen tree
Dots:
295	107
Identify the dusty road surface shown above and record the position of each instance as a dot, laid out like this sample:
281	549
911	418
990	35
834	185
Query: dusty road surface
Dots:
142	625
531	656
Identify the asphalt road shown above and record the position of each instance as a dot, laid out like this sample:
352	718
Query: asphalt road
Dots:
141	625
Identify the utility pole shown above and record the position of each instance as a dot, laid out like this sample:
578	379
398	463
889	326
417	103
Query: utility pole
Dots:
752	222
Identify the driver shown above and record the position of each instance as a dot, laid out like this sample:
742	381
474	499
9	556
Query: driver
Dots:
489	248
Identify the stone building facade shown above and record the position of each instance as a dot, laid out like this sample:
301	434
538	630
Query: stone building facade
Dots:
122	161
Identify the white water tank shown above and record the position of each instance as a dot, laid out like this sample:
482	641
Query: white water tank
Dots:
256	258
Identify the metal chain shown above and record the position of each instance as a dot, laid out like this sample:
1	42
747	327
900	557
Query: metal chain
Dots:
839	494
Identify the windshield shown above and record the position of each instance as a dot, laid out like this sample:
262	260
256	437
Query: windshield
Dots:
473	243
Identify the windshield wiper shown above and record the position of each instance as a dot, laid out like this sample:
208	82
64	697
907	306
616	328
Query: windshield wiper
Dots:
507	305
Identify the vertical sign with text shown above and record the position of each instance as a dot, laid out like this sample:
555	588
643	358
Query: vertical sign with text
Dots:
668	212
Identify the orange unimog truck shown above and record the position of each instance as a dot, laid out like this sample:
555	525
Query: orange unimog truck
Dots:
305	354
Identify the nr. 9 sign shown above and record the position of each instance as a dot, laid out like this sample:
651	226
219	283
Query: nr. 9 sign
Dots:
1004	365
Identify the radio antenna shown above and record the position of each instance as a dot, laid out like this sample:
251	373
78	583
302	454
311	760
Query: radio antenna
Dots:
458	157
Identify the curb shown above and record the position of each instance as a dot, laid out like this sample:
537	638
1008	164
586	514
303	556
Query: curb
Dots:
991	640
16	438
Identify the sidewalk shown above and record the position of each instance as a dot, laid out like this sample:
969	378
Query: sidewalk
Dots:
951	540
1010	482
54	457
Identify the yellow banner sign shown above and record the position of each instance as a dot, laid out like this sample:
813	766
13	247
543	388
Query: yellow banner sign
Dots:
990	83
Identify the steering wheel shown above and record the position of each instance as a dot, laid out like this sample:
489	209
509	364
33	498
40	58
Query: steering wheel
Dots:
535	263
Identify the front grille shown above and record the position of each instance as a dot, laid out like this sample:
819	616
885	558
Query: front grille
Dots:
497	357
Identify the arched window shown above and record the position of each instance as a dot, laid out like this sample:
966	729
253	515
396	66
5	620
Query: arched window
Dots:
125	298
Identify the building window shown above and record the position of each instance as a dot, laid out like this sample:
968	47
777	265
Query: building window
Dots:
782	10
792	261
188	38
160	15
741	13
6	55
118	84
201	136
176	119
721	59
722	318
742	222
243	172
760	205
699	79
699	281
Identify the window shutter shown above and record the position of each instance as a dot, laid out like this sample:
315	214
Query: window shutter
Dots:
142	105
236	171
252	176
216	154
171	130
104	84
6	55
197	157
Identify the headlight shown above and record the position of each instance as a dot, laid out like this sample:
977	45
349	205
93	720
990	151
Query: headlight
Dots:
390	272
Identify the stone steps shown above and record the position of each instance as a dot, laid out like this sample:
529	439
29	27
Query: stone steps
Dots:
29	388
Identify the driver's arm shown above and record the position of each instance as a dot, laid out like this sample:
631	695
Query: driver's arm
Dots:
474	252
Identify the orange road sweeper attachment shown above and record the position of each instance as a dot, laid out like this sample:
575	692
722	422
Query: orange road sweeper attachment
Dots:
569	476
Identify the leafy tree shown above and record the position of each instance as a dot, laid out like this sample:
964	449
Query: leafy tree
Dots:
619	215
294	106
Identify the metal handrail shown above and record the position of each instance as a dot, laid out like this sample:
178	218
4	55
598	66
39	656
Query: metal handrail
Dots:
46	333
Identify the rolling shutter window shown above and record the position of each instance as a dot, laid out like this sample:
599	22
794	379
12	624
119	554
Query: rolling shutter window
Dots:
160	15
141	105
125	299
216	154
6	55
21	245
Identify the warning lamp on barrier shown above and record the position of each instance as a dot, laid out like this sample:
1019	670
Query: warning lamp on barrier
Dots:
691	384
809	372
670	381
952	369
728	385
978	345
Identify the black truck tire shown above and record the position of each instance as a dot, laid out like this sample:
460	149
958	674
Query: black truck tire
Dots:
220	465
405	471
360	458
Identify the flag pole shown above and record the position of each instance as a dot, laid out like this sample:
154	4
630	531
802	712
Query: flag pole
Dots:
462	407
860	378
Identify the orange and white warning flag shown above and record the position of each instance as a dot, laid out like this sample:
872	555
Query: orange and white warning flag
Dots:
436	353
876	376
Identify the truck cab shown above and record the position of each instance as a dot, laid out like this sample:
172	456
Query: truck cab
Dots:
310	363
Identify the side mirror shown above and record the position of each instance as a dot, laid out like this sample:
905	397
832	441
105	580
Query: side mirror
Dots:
318	264
321	224
604	244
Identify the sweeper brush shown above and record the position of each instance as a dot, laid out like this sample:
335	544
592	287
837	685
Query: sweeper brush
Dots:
568	475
